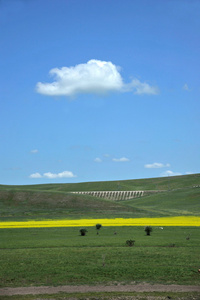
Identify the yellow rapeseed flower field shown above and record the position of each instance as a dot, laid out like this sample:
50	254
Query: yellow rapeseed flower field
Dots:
163	221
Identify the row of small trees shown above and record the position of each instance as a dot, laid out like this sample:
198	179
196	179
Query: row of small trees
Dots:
148	230
83	231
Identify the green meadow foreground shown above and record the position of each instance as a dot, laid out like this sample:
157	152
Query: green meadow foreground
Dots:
60	256
56	256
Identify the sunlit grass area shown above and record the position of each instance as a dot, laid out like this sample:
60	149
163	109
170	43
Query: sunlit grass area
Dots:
41	242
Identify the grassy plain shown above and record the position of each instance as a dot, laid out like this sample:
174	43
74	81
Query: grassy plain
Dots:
59	256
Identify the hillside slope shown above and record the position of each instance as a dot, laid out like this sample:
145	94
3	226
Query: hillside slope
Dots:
160	183
179	202
26	204
181	196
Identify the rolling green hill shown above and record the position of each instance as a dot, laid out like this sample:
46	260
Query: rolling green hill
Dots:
180	196
160	183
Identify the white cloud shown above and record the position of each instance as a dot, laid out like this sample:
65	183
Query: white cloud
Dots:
64	174
34	151
35	175
189	173
122	159
185	87
156	165
170	173
93	77
99	160
143	88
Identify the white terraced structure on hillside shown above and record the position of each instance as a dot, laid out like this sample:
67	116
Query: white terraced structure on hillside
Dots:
117	195
114	195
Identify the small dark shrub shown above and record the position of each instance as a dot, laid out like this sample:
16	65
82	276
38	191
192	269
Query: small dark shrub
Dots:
148	230
188	237
98	226
130	243
83	231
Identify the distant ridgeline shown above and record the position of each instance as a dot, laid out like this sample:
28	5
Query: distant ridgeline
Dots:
118	195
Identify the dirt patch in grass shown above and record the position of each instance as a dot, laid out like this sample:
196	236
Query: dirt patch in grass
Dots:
144	287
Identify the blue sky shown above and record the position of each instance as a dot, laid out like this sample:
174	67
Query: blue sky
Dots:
98	90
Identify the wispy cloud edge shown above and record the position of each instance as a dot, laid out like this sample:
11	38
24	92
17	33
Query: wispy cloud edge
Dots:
49	175
122	159
156	165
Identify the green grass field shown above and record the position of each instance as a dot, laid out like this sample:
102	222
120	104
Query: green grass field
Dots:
60	256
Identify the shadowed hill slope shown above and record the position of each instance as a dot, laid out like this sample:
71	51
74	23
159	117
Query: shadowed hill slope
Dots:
30	204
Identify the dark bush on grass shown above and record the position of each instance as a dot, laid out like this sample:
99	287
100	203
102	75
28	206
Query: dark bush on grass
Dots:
83	231
130	243
98	226
148	230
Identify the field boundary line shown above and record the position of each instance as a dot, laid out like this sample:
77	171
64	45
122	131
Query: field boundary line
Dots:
8	291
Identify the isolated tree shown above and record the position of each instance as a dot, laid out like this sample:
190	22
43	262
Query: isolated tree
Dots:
130	243
83	231
98	227
148	230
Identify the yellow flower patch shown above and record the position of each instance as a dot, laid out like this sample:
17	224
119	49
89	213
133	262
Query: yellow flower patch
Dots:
164	221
